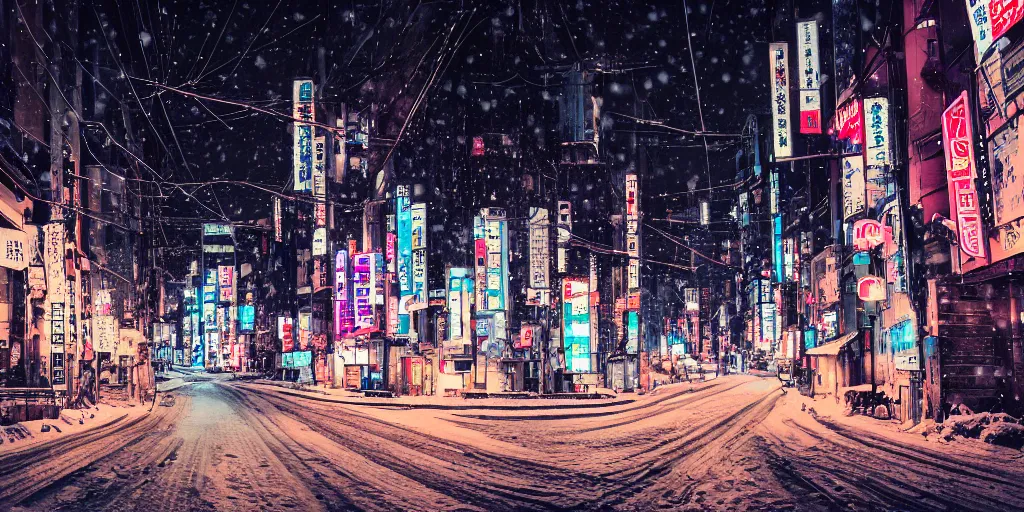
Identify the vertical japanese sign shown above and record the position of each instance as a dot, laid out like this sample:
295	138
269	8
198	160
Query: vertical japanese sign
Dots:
877	112
809	79
277	219
958	144
848	123
319	245
853	186
364	290
633	240
342	312
460	288
540	252
876	141
632	332
57	376
419	254
53	258
576	323
302	147
403	212
990	19
320	168
563	225
285	333
778	57
14	249
491	237
226	282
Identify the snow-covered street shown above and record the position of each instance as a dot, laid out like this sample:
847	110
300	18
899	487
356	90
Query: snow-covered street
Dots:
732	443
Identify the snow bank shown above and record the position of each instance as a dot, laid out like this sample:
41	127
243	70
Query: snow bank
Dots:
994	428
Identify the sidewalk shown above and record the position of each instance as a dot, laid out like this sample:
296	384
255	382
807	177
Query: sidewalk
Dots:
830	415
346	397
98	416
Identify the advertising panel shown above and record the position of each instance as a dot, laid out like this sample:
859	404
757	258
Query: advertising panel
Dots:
540	248
990	19
958	145
285	327
1007	188
246	318
53	257
563	227
320	168
876	111
769	331
403	213
302	147
779	59
809	81
853	186
632	332
364	290
576	323
526	335
456	294
867	234
226	283
58	377
419	254
848	123
14	252
871	288
491	259
277	219
342	311
319	241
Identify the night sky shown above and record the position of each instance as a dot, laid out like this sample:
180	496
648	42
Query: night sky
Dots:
480	66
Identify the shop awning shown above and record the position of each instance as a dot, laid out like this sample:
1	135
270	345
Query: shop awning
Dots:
832	348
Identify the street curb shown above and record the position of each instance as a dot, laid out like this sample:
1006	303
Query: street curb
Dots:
448	407
64	439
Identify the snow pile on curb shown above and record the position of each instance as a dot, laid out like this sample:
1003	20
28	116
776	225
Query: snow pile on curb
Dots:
994	428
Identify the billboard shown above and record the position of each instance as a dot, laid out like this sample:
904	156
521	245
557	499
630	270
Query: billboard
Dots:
302	135
563	225
285	333
342	311
319	241
876	112
226	283
491	251
632	236
277	219
779	60
320	168
632	332
809	79
540	249
852	174
848	123
365	281
246	318
958	145
460	289
418	221
403	213
576	323
990	19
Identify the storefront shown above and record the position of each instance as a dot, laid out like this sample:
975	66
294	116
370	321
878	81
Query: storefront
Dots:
836	365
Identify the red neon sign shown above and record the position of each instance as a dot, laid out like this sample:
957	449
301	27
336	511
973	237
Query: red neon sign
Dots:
849	122
958	144
867	234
